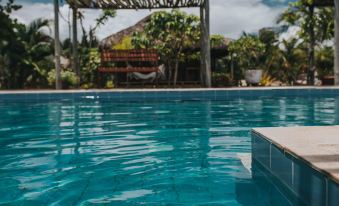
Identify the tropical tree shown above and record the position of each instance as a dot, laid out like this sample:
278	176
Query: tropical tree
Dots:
169	33
315	26
24	50
37	53
292	59
89	38
217	41
269	59
8	36
88	48
324	61
248	52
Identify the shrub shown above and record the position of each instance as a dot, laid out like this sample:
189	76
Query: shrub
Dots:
109	84
221	79
89	67
68	78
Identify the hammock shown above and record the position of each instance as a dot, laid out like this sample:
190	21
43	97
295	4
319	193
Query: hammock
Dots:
150	76
136	75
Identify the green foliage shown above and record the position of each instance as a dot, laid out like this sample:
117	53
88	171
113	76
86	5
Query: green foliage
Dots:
281	60
324	57
88	51
217	40
27	52
8	25
69	79
292	58
109	84
24	51
169	33
267	79
221	79
299	14
274	57
315	25
8	41
89	38
89	65
247	51
126	43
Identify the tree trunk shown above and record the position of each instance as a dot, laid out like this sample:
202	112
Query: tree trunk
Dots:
176	68
169	73
75	55
336	44
57	46
311	57
205	45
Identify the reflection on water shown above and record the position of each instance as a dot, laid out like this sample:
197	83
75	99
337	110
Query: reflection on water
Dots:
130	153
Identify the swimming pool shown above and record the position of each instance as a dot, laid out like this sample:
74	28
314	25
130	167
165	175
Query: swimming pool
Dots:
142	153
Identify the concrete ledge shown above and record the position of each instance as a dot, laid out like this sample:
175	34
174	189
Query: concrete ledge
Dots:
168	94
304	159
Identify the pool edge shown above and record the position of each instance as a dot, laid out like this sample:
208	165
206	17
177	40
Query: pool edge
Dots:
267	151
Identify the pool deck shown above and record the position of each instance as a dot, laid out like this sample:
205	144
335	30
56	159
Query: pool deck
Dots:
317	146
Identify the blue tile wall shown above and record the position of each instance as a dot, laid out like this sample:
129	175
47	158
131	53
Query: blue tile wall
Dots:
333	196
261	150
144	95
309	185
281	166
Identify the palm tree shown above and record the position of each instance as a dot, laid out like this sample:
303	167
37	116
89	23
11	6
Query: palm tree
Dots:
28	55
292	60
38	46
316	26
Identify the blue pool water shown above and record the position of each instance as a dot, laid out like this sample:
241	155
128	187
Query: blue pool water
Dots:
134	153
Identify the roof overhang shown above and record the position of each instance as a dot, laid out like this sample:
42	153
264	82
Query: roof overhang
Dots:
323	3
135	4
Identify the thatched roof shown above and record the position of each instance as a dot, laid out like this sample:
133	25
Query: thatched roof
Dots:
114	39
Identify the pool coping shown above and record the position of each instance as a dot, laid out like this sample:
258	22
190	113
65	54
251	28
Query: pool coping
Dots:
308	135
168	94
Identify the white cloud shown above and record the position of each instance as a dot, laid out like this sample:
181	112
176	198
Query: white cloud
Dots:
232	17
229	17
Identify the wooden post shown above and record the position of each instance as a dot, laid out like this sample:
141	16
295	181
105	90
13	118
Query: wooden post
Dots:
205	45
57	50
75	64
311	57
336	43
202	56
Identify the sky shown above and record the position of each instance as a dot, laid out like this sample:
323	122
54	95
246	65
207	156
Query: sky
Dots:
228	17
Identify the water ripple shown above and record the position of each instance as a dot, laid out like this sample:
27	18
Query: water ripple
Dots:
159	153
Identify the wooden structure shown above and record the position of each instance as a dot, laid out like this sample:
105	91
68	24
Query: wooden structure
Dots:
331	3
154	4
319	3
125	61
336	40
135	4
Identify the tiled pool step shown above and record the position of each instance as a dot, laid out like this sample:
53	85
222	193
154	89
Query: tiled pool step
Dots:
169	94
304	159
